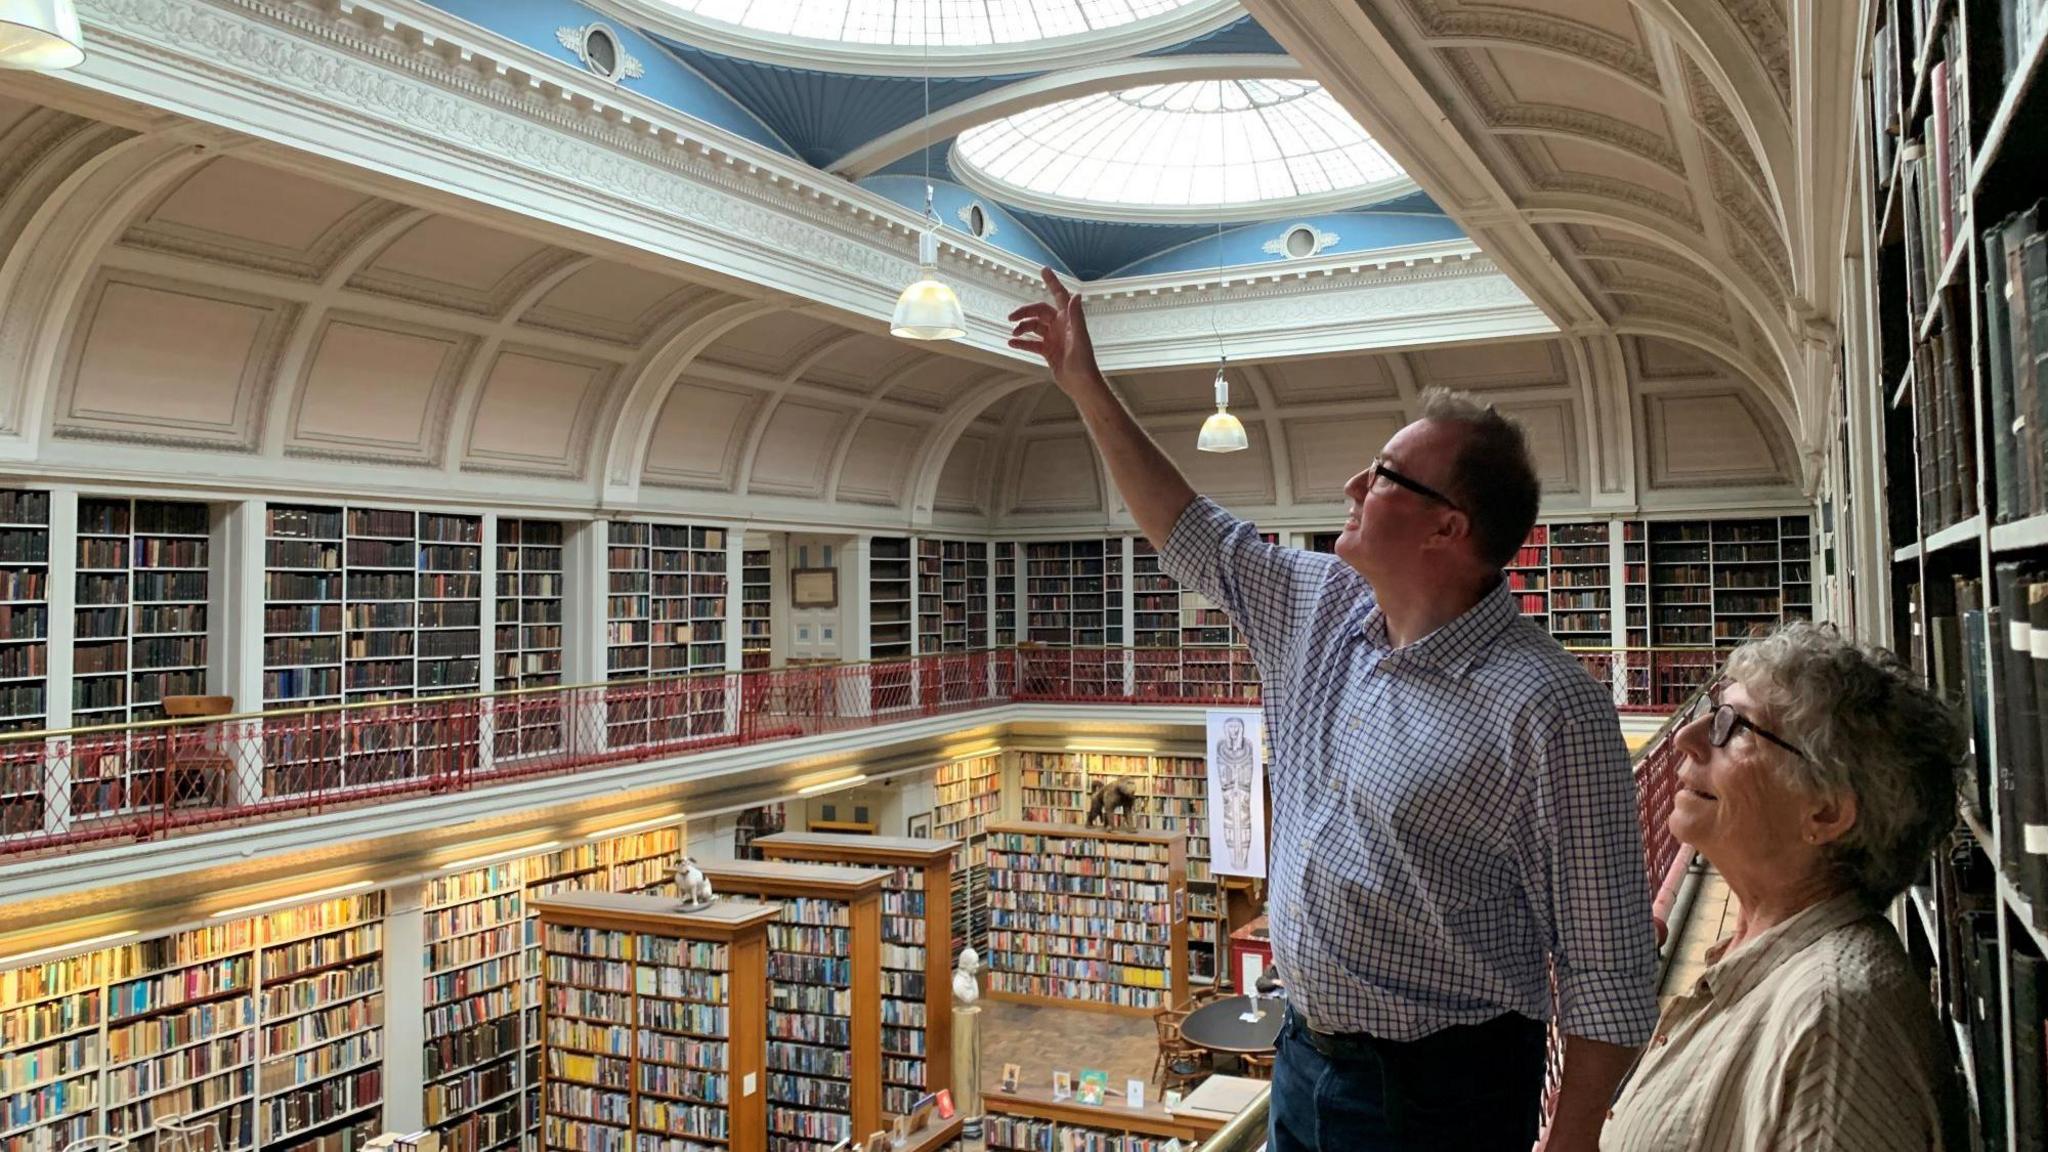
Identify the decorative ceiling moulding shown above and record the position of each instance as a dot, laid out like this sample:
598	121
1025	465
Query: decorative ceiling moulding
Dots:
729	39
1539	32
400	88
1502	113
1298	313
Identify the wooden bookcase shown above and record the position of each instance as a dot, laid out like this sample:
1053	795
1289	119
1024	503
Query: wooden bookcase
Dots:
892	621
475	959
665	618
1038	935
757	609
952	591
1005	593
1030	1120
1954	261
966	794
654	1022
1582	584
1528	576
140	625
824	986
1172	796
917	915
24	637
528	640
363	605
265	1029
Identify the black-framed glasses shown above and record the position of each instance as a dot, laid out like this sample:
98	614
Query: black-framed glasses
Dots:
1727	721
1379	468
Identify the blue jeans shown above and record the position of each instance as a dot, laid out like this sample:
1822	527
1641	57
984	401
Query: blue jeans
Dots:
1472	1088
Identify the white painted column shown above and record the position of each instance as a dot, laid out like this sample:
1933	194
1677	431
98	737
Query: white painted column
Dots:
584	587
235	629
405	1008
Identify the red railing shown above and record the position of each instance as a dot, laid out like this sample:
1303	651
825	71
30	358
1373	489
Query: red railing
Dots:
146	781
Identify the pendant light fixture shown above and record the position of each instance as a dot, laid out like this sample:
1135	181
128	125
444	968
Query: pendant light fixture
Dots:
928	309
1221	432
40	34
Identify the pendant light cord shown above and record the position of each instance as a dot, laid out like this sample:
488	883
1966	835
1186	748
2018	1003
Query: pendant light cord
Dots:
931	214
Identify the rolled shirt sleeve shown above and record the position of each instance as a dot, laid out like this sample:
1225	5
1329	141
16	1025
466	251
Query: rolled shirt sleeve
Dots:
1269	591
1581	855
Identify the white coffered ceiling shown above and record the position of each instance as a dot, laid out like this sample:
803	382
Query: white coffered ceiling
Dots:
224	305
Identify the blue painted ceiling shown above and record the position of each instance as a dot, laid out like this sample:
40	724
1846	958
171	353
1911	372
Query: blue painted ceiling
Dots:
820	116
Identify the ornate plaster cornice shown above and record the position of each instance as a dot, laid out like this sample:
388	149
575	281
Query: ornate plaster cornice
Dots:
396	87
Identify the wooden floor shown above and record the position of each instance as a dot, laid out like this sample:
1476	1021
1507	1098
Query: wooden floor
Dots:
1041	1039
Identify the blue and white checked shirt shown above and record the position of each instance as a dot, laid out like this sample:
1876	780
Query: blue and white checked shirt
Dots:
1446	815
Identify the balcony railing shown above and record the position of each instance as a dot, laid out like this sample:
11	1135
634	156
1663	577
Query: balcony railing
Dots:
155	779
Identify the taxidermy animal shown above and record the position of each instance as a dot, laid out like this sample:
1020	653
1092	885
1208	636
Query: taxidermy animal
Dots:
1110	805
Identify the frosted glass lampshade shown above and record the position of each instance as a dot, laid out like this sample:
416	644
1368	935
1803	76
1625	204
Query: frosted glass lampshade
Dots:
1222	432
40	34
928	310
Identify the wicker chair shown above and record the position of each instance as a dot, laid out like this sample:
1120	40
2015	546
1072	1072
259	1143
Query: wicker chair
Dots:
1179	1063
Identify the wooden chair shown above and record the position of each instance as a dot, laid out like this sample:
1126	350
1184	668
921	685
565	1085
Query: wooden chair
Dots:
199	771
175	1134
1258	1067
1179	1063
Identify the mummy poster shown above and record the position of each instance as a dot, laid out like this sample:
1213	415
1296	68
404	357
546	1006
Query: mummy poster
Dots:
1237	793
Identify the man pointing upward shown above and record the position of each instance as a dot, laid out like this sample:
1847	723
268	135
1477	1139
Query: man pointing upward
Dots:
1454	814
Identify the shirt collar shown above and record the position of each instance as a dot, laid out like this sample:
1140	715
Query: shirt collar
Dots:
1748	965
1456	646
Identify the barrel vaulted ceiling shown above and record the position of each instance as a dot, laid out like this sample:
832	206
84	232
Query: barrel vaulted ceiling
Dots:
224	300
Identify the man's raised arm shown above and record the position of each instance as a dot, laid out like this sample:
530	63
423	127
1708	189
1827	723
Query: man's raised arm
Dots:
1152	487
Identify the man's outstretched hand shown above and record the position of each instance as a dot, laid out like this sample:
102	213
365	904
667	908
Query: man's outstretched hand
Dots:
1058	332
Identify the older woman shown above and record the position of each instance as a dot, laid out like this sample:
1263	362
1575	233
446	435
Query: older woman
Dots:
1816	779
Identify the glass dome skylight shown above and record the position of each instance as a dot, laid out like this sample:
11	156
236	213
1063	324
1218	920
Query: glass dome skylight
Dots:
907	23
1207	148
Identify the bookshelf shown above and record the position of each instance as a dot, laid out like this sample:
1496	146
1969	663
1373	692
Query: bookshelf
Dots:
916	914
1030	1120
1155	625
266	1030
824	1004
1051	788
753	824
1581	594
952	592
665	617
1005	593
139	627
1957	276
892	608
966	794
757	607
1172	796
474	959
1635	595
1073	599
558	872
1528	576
654	1023
319	965
1087	918
24	641
528	639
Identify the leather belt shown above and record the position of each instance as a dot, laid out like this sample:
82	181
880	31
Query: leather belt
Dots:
1336	1045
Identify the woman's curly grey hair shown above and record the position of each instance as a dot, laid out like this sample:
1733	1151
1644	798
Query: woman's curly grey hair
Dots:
1869	727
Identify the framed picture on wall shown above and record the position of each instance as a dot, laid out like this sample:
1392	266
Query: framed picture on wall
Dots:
921	827
814	587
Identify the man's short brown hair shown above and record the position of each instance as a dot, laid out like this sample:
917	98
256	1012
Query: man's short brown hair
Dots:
1494	475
